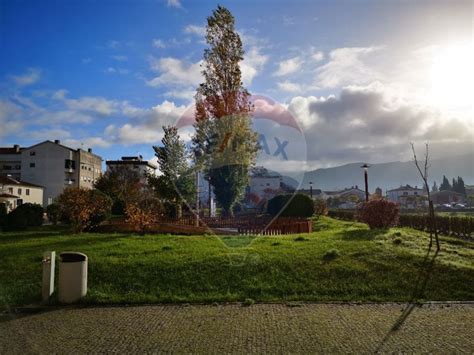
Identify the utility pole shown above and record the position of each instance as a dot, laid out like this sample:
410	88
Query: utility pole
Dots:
197	198
366	178
311	189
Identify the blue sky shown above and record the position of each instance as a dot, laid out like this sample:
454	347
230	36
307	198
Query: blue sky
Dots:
362	78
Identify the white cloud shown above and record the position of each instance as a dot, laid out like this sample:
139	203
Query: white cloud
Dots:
195	30
174	3
175	72
10	115
31	76
252	64
113	44
317	56
119	58
346	66
288	66
87	142
112	70
158	43
289	86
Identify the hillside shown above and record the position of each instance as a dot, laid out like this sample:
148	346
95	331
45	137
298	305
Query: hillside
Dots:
390	175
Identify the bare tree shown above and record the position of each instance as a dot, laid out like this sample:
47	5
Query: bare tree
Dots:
424	175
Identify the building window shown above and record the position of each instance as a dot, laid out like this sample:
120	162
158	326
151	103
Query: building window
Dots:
10	190
416	193
27	192
405	193
32	165
19	202
69	164
19	191
7	167
32	153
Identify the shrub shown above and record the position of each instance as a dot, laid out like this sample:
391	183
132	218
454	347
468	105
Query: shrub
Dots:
297	205
379	213
118	208
83	208
345	215
24	216
143	214
320	207
54	213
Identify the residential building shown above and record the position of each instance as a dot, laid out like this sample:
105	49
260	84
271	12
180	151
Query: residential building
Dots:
264	186
10	161
14	193
53	166
143	167
408	196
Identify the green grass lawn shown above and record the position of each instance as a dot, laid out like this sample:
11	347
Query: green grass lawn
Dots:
340	261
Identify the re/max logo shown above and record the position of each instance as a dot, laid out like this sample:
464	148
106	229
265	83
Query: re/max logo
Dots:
279	148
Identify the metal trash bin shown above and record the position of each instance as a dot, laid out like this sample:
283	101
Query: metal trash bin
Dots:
72	277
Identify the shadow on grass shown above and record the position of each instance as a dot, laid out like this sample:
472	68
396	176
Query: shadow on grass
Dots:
426	270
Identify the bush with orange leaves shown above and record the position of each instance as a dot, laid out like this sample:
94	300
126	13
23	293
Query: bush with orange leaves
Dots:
143	213
83	208
378	213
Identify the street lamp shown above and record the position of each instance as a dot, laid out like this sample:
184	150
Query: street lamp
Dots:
311	189
366	177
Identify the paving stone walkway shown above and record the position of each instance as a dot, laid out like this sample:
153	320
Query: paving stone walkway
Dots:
260	328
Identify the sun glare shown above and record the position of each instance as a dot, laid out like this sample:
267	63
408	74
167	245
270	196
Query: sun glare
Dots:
452	77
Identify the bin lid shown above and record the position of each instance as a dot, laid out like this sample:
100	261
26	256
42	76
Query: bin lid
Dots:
72	257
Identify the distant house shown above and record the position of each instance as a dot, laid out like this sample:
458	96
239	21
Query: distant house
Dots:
447	197
137	163
14	193
407	196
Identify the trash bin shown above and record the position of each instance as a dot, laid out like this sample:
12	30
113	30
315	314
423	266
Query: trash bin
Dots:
72	277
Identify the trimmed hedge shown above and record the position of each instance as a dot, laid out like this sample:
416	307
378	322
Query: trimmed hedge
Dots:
297	205
447	225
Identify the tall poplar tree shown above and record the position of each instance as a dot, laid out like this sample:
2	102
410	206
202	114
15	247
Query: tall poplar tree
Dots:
225	144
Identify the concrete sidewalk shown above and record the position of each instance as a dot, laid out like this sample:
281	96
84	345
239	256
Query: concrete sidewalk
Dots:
260	328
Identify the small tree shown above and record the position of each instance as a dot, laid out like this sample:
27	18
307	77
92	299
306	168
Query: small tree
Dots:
122	184
424	176
3	214
53	212
24	216
176	184
83	208
298	205
445	185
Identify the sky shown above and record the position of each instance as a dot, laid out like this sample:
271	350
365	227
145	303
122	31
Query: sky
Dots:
362	79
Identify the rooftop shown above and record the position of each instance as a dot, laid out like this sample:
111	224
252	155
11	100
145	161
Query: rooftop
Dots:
405	188
8	180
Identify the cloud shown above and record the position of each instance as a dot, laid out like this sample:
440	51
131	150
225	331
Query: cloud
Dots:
346	66
195	30
112	70
158	43
31	76
174	3
175	72
289	86
113	44
288	66
87	142
252	64
119	58
10	114
317	56
368	123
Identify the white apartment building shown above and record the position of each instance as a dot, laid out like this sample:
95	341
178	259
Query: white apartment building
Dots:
407	196
54	166
14	193
143	167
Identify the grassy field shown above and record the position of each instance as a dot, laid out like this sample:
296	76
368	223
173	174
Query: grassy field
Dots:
340	261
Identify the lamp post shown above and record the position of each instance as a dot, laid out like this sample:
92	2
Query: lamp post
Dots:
197	155
366	178
209	186
311	189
